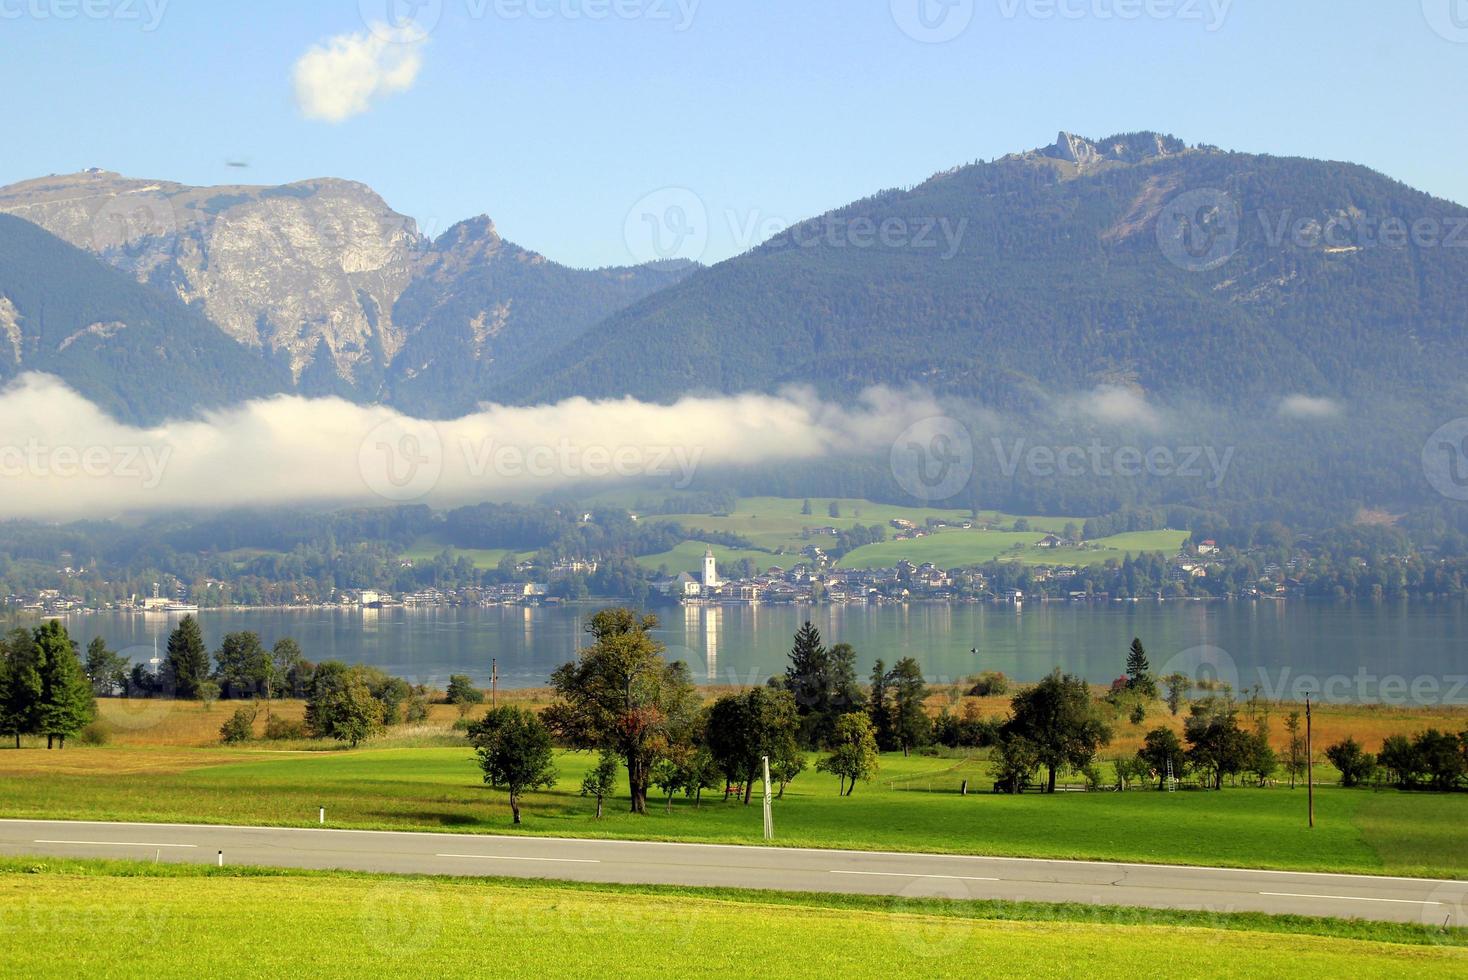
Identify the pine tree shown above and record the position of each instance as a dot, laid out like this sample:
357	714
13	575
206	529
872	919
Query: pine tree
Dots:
20	685
879	707
1139	670
67	705
186	665
806	678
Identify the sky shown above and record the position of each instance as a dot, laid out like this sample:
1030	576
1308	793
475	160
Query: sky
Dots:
570	122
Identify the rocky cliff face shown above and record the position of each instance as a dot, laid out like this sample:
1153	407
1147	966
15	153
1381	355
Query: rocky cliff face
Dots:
295	270
311	275
1086	156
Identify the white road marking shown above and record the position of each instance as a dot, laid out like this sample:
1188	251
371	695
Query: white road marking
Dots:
1352	898
111	843
905	874
504	857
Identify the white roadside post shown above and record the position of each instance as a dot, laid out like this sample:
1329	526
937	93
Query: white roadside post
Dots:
221	859
321	817
769	804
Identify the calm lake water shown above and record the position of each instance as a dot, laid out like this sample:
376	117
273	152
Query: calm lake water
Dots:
1396	653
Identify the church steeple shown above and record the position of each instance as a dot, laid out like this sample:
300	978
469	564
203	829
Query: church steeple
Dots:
710	570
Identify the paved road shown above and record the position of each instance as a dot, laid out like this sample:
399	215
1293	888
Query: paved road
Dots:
797	869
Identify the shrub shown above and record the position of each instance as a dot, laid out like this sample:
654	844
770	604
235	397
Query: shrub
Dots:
278	729
989	684
240	727
1354	765
415	710
94	734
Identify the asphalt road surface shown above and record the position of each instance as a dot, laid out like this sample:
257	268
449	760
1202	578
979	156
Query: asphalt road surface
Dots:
796	869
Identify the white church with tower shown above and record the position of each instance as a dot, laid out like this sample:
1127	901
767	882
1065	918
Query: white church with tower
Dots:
710	572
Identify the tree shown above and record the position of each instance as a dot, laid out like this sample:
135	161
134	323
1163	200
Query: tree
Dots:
602	778
1058	717
1139	670
806	679
1442	758
910	722
833	509
1294	755
1354	765
1162	752
243	666
20	685
1261	760
67	705
823	682
853	752
1178	686
1400	759
805	509
340	705
1216	743
1018	759
463	693
240	727
515	752
105	669
290	669
186	664
879	707
744	728
621	696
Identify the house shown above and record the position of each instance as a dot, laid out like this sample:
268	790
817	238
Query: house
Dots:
1048	541
1209	547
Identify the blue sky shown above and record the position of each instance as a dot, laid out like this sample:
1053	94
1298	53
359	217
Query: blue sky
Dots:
557	117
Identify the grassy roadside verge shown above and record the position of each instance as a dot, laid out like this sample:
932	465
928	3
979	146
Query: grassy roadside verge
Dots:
134	918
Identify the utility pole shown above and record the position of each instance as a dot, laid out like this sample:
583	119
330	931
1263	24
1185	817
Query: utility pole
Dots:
494	682
1309	764
769	801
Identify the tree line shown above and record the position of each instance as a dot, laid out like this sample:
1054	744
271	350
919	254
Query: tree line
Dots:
44	689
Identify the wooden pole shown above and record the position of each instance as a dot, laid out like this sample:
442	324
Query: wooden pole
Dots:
494	682
1309	764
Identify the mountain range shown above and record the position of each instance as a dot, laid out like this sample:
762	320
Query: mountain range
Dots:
318	285
1281	295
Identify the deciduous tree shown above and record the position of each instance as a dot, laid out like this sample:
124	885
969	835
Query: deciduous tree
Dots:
515	752
854	753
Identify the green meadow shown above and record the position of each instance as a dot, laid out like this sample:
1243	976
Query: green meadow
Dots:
914	805
94	918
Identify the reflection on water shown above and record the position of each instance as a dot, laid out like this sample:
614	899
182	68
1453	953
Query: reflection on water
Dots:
1273	643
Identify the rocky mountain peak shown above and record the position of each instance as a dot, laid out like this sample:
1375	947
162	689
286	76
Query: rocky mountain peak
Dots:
1087	154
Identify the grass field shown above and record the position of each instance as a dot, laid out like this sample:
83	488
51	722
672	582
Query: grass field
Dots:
775	526
913	806
118	919
428	547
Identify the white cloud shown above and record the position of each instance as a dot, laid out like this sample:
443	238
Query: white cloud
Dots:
1113	405
1310	407
61	456
342	76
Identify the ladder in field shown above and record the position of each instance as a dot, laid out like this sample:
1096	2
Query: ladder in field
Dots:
1171	779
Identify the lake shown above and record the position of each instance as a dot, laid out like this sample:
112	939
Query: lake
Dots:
1386	652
